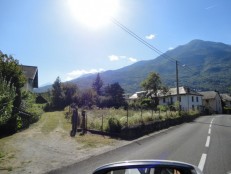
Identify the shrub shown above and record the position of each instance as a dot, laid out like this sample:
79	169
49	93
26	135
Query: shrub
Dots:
114	125
7	96
31	111
162	108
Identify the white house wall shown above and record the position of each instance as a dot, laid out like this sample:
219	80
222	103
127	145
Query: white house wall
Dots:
186	101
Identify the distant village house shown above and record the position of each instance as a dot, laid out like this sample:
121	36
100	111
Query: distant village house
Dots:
189	99
212	102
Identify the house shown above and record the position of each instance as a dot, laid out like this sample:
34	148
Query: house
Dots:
137	95
189	99
212	102
31	73
226	102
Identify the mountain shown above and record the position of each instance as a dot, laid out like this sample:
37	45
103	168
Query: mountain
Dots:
42	89
203	65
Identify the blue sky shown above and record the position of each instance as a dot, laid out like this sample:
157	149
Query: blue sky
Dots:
50	35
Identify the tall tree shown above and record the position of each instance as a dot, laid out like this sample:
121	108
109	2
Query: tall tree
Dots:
57	95
97	84
152	84
115	93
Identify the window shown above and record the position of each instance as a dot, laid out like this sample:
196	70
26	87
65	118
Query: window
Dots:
193	108
197	99
179	98
164	100
192	99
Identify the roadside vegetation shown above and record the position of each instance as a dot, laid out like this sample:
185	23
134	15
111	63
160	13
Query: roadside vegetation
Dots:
17	106
113	120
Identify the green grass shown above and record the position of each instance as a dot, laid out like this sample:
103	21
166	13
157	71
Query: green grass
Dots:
98	118
1	155
50	121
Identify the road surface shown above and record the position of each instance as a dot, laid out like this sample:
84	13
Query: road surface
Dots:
206	143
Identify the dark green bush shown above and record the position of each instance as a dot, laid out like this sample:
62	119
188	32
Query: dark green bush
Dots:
114	125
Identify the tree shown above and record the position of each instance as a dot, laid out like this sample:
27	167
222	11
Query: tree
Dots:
71	93
97	84
152	84
57	95
88	98
115	94
13	75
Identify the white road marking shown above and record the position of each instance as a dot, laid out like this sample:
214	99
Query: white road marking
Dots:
204	156
207	141
202	162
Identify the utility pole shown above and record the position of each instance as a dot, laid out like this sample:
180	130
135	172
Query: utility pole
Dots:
177	86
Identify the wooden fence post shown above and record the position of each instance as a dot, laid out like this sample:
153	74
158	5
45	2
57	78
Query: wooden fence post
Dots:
102	124
127	116
83	121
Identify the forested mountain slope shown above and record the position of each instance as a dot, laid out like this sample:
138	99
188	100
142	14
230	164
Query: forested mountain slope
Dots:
203	65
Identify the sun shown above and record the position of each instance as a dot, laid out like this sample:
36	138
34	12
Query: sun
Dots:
93	13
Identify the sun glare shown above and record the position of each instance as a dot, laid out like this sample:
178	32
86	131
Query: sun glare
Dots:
93	13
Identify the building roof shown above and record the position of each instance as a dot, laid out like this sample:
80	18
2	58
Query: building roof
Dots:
31	72
208	94
137	95
172	91
225	97
182	91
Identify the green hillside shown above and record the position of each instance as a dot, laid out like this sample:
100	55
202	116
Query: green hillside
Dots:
203	65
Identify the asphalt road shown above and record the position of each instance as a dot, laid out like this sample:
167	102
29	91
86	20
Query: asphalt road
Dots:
206	143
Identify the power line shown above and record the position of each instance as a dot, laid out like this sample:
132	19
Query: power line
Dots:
186	67
140	39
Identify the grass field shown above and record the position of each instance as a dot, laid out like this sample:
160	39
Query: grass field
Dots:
97	119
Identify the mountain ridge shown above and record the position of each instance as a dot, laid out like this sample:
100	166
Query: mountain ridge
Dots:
203	65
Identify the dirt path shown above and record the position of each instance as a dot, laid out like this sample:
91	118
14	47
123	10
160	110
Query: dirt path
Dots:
33	151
